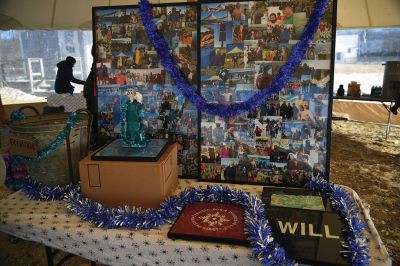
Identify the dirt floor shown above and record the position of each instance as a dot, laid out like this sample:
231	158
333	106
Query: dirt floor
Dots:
361	158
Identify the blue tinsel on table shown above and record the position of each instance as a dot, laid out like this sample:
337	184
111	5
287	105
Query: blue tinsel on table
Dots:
36	191
257	99
257	227
355	242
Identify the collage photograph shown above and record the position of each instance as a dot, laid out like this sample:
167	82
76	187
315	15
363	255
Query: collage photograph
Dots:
127	60
243	46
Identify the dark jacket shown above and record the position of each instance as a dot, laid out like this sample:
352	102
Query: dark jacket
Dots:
64	78
230	173
89	90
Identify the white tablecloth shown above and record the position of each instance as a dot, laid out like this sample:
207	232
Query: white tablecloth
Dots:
71	103
51	224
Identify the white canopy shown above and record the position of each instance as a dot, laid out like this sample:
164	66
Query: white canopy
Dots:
213	78
235	50
368	13
122	54
77	14
54	14
210	17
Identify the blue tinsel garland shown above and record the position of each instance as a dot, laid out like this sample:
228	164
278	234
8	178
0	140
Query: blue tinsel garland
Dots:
70	123
35	191
257	227
257	99
356	243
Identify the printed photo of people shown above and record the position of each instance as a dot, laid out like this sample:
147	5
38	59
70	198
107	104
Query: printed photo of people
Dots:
230	169
243	46
211	171
234	56
270	126
127	60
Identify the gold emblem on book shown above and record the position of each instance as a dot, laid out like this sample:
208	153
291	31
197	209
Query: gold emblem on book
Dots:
214	219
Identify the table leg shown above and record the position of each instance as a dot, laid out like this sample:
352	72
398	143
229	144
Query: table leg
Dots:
388	123
13	239
49	256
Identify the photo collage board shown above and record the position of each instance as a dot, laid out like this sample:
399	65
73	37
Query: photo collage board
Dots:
242	47
229	51
125	59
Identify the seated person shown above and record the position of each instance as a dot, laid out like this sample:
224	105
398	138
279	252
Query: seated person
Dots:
65	77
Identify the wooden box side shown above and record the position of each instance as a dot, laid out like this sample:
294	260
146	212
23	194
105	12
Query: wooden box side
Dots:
129	183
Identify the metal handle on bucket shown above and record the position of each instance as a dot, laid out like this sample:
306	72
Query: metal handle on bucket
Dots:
70	167
68	140
31	108
90	121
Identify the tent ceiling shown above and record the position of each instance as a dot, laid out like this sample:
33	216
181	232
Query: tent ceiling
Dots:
53	14
11	22
77	14
368	13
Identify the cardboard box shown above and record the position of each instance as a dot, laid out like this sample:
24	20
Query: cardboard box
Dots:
120	183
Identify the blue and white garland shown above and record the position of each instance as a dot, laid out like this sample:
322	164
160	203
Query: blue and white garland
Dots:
356	244
257	227
43	154
257	99
35	191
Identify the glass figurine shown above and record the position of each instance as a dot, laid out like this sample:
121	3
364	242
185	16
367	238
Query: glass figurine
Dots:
132	114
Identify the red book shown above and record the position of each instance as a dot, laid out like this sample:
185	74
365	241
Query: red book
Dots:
213	222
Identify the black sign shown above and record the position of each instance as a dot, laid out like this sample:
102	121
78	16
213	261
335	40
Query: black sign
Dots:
305	225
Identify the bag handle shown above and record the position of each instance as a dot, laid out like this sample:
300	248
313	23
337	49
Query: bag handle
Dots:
31	108
68	142
89	128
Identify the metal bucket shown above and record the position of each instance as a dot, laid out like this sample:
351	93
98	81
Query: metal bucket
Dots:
60	167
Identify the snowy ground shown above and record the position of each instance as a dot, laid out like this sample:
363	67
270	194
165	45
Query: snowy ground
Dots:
16	96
